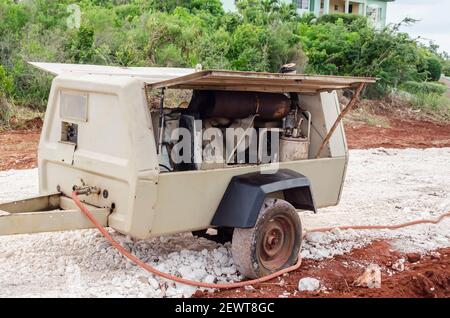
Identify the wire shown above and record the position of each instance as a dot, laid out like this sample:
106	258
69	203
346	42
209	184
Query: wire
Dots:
165	167
181	280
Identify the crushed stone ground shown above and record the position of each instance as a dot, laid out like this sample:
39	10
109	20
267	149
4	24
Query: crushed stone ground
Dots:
383	186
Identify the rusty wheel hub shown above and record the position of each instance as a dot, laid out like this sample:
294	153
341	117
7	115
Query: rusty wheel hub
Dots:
276	242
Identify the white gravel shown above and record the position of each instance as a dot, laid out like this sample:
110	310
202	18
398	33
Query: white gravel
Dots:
387	186
308	284
382	187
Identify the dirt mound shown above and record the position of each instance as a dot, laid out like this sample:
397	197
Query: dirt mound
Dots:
429	277
19	148
29	124
399	134
34	124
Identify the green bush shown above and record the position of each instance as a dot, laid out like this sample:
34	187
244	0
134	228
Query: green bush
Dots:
308	18
347	19
434	69
31	86
6	83
424	88
446	66
354	48
446	69
5	111
6	86
261	36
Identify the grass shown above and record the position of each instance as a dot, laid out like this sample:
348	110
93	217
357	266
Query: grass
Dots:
377	121
365	115
424	87
5	111
14	116
433	104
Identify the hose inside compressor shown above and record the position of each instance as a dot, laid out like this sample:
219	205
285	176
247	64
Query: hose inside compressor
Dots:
181	280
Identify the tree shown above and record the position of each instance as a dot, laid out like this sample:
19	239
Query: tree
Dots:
261	36
434	68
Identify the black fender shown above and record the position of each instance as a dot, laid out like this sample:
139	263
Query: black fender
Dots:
245	194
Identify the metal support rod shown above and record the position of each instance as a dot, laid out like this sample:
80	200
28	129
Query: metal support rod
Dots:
350	105
309	123
161	121
241	139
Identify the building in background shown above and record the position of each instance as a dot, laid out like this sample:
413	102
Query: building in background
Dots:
375	10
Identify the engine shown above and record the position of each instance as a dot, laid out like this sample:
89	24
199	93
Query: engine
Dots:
222	129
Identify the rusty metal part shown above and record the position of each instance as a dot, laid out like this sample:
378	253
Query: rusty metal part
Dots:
261	82
268	106
344	112
277	242
293	149
161	122
86	190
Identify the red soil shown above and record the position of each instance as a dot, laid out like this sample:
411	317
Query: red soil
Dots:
18	149
400	134
429	277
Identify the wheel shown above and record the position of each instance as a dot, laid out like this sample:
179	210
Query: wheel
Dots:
273	244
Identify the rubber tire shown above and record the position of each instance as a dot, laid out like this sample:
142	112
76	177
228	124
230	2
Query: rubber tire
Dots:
244	249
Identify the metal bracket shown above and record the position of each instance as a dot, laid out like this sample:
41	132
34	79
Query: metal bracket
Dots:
344	112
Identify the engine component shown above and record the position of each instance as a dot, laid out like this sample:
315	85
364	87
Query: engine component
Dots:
235	105
290	68
192	159
245	137
69	132
292	149
294	145
292	124
267	124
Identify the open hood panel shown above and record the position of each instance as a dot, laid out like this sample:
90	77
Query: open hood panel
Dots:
261	82
149	74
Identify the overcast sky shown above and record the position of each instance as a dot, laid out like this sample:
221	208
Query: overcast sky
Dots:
434	16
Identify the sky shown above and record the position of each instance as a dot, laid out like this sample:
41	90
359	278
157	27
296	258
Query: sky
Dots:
434	16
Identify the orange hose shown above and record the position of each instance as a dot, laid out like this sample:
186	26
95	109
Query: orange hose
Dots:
177	279
382	227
